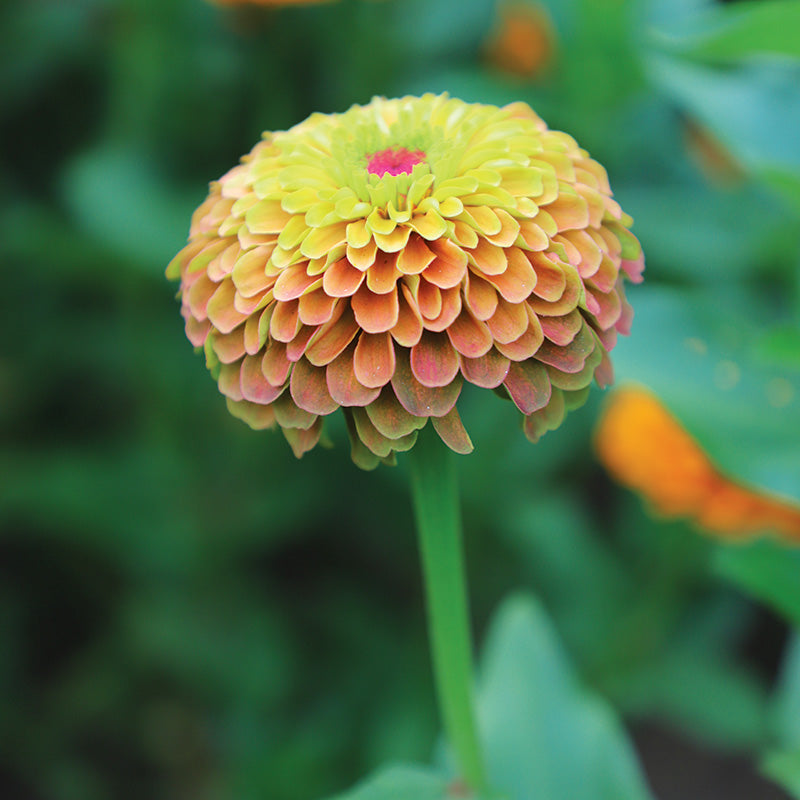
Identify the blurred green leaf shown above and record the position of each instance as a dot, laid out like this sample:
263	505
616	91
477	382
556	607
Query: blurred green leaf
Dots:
695	351
544	735
753	110
400	783
786	701
118	195
738	30
782	763
784	769
767	570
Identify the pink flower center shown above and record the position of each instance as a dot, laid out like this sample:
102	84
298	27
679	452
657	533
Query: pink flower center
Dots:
394	160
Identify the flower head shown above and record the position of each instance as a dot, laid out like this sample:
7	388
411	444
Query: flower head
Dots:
644	447
375	260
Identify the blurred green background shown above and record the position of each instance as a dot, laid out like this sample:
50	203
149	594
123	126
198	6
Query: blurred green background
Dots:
187	611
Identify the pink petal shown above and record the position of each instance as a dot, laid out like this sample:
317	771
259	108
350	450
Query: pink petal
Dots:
309	389
422	401
254	385
488	371
434	362
529	385
343	385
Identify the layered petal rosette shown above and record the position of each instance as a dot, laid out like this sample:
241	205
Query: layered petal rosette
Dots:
375	260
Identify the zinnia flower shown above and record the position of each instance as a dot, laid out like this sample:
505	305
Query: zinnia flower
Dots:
375	260
645	448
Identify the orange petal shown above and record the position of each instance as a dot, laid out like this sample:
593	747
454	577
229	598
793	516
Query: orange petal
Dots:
249	274
572	357
285	323
529	385
255	387
332	338
362	258
488	258
509	321
562	330
316	308
373	360
198	295
221	311
449	267
528	344
383	274
551	279
229	347
375	313
343	385
569	210
293	282
309	388
434	362
488	371
341	279
429	300
508	232
296	348
451	308
275	366
518	281
415	256
408	328
470	336
228	381
564	304
533	235
480	296
252	336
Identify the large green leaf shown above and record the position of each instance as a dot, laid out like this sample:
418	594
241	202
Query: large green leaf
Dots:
696	352
744	29
754	110
767	570
545	736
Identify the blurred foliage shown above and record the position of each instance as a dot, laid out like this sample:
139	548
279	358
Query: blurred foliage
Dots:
188	612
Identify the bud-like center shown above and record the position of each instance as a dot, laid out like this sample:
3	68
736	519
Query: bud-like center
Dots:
394	160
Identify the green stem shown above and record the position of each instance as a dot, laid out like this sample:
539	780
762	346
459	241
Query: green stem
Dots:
434	488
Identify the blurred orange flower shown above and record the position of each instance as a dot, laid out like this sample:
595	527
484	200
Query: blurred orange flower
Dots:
524	42
645	448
